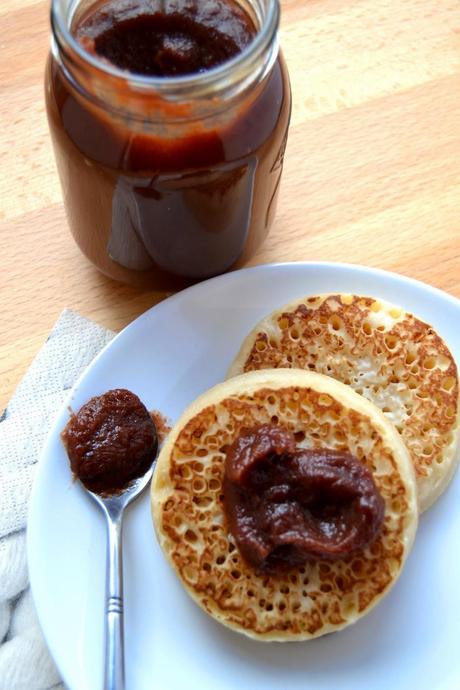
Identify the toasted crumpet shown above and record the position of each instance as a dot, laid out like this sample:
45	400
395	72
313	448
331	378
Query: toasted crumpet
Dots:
187	505
384	353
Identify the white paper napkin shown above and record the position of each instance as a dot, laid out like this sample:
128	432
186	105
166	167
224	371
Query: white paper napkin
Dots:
25	663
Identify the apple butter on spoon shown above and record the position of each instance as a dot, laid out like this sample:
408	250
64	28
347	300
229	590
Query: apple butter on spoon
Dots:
112	443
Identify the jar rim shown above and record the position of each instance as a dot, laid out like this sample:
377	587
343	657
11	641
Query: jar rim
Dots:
221	74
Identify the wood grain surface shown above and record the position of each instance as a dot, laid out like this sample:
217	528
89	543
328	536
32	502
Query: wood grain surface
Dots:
372	168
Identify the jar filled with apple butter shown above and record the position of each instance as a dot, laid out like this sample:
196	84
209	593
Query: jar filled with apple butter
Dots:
169	121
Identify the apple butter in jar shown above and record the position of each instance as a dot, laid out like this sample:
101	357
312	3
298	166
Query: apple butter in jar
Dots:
169	120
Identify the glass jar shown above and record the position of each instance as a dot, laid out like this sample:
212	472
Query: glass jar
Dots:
168	180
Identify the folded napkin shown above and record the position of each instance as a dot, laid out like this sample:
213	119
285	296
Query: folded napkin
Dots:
25	663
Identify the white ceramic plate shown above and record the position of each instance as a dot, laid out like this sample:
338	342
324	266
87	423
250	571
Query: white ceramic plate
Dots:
168	356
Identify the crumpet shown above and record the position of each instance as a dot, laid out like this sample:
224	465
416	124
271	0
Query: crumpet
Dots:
308	600
397	361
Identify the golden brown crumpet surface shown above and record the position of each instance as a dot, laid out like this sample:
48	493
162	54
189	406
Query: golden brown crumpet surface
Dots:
189	518
388	355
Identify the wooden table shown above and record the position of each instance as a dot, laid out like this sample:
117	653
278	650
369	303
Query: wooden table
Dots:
372	168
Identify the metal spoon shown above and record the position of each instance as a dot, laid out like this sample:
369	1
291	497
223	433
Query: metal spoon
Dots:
113	508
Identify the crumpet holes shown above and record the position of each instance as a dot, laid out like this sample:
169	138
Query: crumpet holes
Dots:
190	575
199	485
448	383
336	322
391	341
450	412
283	323
443	362
185	472
349	608
423	394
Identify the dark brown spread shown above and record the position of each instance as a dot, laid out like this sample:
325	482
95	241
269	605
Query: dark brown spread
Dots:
287	505
110	441
160	193
165	39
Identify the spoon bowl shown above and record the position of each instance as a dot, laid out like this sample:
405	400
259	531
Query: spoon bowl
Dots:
114	503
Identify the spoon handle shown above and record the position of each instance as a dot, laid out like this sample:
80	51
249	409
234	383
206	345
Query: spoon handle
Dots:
114	678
